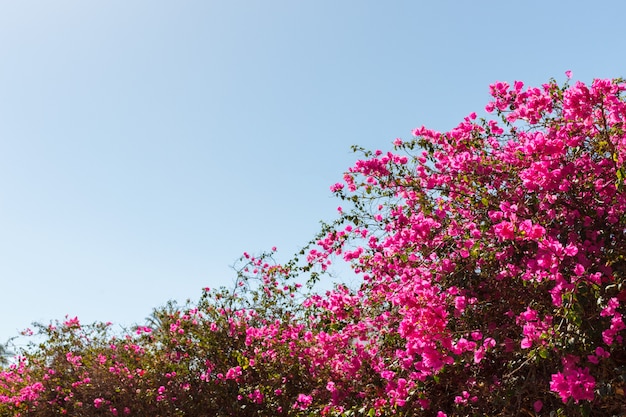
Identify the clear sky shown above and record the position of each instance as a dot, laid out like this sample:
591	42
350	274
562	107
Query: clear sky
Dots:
145	145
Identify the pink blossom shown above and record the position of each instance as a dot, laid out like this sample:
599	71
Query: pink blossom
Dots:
505	230
574	382
303	402
71	322
233	373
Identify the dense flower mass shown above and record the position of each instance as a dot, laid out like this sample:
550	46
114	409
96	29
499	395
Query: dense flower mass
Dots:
491	263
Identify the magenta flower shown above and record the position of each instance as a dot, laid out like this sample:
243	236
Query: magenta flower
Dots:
303	402
574	382
98	402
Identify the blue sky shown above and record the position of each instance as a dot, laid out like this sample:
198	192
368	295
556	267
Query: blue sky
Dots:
144	145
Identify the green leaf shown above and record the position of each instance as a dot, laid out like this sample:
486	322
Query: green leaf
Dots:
619	184
585	410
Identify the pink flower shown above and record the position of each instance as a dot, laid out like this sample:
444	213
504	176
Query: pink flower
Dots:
233	373
336	187
479	354
573	382
73	322
256	396
579	269
505	230
303	402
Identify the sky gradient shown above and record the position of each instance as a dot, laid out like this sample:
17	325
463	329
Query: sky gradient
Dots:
145	145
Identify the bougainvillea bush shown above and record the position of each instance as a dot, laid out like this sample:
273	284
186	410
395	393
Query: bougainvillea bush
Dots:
491	263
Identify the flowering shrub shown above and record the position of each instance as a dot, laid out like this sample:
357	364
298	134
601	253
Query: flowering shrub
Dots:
492	260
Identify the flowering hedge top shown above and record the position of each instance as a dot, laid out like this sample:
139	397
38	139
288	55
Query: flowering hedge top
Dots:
492	260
